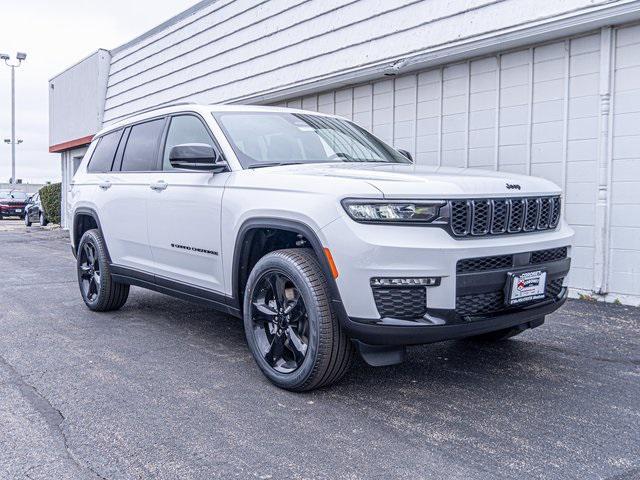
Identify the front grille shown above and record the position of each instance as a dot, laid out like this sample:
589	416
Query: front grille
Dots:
401	303
482	264
493	302
498	262
481	303
553	288
551	255
480	217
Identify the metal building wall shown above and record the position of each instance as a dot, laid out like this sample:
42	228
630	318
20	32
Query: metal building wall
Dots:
243	50
545	110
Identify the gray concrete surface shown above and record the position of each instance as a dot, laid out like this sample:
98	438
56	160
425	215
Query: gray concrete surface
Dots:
166	389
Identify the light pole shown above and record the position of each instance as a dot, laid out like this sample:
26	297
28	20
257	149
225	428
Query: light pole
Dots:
20	56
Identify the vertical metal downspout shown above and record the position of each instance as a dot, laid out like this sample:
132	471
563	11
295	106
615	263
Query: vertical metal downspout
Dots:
601	251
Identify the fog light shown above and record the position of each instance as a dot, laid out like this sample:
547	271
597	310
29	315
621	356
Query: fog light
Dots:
406	282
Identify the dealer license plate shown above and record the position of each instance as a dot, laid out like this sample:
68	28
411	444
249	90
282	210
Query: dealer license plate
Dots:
523	287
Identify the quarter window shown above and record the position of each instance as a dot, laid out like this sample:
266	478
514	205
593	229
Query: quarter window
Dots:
184	129
141	152
105	151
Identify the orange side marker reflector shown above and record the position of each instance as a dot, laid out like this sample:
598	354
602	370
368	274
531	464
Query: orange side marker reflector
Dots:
332	265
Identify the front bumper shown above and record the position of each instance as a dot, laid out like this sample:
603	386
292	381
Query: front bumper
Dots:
362	252
12	211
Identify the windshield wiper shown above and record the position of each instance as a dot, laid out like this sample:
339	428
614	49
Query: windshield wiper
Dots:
273	164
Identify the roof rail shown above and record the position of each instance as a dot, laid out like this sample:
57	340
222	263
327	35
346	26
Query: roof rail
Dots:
157	107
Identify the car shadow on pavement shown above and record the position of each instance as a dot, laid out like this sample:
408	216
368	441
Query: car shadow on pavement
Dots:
516	361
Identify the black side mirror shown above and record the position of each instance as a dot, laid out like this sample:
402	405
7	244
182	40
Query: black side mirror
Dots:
196	156
405	153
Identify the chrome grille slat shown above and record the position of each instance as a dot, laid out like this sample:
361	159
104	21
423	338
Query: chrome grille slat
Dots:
480	217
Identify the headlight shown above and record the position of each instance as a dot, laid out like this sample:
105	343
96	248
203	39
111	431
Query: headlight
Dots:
392	211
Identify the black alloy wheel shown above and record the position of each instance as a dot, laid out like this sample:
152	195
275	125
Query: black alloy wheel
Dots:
99	290
280	321
291	328
89	271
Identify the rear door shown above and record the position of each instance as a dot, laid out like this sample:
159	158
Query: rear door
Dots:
184	213
125	192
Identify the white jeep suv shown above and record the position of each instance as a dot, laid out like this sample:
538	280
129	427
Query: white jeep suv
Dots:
322	238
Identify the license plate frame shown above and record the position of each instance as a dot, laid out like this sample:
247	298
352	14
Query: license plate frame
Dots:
525	286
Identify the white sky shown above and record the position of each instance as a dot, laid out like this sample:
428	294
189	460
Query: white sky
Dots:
56	34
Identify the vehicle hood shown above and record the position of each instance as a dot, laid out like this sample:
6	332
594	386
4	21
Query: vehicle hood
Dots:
13	202
402	181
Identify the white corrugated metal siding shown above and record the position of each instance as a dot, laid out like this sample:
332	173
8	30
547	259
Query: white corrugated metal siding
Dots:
534	111
234	49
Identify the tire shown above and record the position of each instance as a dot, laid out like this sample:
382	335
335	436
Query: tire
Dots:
27	221
43	220
327	354
98	289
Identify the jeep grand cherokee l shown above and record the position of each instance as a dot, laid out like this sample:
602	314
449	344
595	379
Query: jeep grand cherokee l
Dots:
322	238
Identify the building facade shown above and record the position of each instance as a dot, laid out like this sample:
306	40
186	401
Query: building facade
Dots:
539	87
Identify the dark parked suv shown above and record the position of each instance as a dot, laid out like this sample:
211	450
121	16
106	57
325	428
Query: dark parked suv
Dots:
12	203
34	212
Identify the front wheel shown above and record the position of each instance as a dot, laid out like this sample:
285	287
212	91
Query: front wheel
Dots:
99	291
43	220
27	221
292	332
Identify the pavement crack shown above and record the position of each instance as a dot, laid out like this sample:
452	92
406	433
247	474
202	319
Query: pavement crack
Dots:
53	417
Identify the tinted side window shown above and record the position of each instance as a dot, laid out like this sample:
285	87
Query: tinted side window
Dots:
184	129
102	157
141	152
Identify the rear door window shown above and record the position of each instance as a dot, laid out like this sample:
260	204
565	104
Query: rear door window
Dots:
141	152
104	153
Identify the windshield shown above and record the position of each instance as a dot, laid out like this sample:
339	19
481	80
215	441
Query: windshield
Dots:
17	195
273	138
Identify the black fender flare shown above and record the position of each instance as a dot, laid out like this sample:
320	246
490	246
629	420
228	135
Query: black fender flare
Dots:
86	211
301	228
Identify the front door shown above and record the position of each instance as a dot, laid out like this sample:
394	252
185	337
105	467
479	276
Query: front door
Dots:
184	214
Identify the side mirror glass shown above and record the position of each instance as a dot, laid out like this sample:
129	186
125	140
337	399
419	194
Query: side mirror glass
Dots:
405	153
195	156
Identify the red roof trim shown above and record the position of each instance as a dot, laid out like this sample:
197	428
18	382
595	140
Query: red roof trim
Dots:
70	144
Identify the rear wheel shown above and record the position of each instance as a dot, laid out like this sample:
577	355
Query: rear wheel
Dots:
99	291
292	332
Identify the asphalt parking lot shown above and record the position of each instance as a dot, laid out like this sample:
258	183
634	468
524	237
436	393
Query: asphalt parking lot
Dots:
166	389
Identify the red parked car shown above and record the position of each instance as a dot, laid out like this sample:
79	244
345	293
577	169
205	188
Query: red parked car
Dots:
12	203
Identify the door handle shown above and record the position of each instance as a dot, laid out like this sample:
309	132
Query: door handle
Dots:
160	185
105	185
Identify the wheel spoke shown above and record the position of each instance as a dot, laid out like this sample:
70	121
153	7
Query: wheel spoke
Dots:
96	280
85	271
263	313
296	345
92	290
280	291
88	251
275	350
277	284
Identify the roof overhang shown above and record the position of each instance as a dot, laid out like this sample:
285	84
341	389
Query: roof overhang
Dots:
78	142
